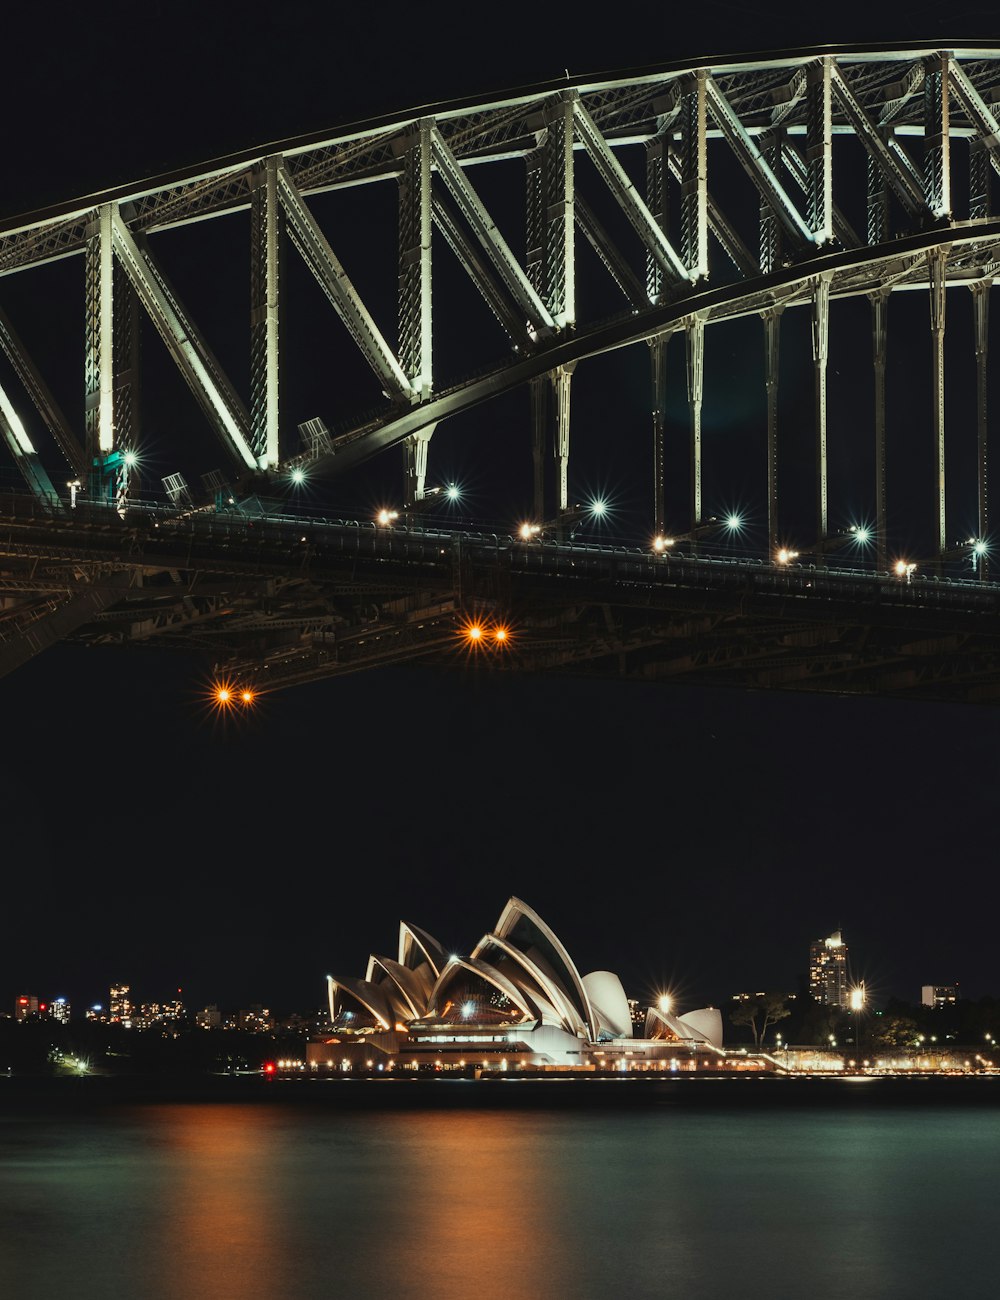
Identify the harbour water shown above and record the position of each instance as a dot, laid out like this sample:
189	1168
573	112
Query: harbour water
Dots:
699	1195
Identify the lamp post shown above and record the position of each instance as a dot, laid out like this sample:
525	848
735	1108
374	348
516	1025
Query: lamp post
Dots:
857	1007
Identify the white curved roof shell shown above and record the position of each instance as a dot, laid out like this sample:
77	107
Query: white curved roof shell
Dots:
610	1005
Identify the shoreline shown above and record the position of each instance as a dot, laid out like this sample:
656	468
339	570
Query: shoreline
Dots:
514	1092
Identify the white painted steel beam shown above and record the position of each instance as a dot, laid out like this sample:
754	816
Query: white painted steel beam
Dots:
616	265
695	338
908	191
937	265
617	179
264	309
694	178
819	150
416	341
485	230
756	166
723	230
330	275
821	353
46	405
199	368
25	457
106	408
14	430
558	214
937	142
480	274
982	116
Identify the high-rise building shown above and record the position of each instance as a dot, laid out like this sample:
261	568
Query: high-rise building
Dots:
828	971
61	1010
939	995
120	1005
25	1007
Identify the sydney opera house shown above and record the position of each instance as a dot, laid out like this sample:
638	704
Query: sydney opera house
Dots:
517	1001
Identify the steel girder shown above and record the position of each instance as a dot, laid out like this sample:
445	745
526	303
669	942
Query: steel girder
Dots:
195	361
310	241
780	117
265	250
41	397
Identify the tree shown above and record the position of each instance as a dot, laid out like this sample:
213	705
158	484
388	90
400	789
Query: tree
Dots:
759	1013
896	1031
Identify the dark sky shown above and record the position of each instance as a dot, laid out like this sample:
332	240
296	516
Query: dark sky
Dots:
692	837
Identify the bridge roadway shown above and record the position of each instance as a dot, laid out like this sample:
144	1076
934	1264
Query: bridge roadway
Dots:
275	600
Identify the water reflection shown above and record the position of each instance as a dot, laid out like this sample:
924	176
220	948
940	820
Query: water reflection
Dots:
229	1202
472	1215
219	1228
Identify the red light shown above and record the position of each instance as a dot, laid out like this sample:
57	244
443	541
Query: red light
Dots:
22	1002
42	1006
269	1068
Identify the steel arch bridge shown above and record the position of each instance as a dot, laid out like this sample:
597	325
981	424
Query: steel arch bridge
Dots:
859	172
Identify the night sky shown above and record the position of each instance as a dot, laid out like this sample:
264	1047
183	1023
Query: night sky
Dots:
684	837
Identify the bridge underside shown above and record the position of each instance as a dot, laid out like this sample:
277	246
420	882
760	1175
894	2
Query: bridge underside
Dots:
272	604
637	207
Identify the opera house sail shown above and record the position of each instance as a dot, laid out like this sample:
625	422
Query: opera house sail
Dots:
516	1001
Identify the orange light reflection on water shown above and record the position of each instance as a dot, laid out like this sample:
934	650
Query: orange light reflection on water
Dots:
220	1216
476	1219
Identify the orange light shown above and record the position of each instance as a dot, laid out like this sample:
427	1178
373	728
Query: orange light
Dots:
247	697
482	635
224	695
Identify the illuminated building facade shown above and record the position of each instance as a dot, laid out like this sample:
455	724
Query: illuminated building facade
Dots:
120	1005
939	996
828	971
25	1006
517	1000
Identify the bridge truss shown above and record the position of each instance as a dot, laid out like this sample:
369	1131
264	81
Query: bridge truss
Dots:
861	173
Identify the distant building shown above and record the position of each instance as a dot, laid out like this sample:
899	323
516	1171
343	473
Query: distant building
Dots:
60	1010
256	1019
828	971
209	1018
25	1006
939	995
120	1005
